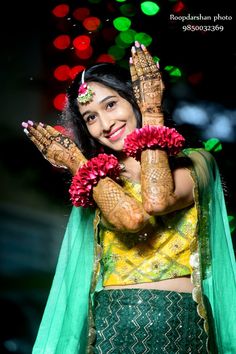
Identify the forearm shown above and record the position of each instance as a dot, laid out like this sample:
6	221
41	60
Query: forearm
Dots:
121	210
77	160
157	184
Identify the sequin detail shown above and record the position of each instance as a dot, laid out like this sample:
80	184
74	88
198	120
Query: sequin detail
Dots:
133	321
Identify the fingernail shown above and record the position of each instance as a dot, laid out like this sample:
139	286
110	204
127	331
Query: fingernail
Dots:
131	60
133	50
143	46
158	65
26	131
137	44
30	122
41	124
25	125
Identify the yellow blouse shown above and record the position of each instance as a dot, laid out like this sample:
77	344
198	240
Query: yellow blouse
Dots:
159	252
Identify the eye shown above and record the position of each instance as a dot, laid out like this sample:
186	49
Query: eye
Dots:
90	118
110	104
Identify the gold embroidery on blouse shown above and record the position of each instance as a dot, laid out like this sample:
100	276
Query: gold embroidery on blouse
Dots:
161	251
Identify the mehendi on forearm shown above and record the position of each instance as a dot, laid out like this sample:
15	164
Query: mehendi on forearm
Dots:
156	181
118	208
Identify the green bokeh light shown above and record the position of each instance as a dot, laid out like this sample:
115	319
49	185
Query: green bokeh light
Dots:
149	8
143	38
173	71
120	0
119	41
232	223
117	52
212	144
156	59
128	36
122	23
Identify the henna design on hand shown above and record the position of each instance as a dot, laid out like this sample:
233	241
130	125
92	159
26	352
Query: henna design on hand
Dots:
156	180
57	148
147	85
118	208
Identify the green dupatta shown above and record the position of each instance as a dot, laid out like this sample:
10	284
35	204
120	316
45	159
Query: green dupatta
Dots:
64	326
216	256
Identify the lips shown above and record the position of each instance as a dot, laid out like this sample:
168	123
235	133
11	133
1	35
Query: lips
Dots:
116	134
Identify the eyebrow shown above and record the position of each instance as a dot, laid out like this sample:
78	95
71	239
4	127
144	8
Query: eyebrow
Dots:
103	100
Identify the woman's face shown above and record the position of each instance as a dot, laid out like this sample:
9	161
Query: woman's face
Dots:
109	117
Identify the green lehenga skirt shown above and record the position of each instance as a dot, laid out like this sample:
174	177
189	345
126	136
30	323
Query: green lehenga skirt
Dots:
142	321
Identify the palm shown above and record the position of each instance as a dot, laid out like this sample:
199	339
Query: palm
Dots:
147	85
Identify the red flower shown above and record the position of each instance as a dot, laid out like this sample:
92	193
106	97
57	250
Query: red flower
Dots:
83	89
88	175
152	137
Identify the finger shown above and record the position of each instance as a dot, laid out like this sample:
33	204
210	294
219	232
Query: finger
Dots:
136	63
149	59
42	148
143	62
42	128
31	129
51	130
133	73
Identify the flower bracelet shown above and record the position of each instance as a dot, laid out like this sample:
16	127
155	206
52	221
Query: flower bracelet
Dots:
151	137
88	176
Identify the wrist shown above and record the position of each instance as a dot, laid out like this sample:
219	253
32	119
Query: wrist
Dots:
153	137
76	161
153	119
88	176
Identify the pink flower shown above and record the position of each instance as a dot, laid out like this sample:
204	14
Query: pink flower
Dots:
83	89
87	177
153	137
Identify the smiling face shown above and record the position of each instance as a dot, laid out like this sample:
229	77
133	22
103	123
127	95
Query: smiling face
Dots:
108	117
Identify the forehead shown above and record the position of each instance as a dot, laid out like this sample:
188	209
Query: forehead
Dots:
100	93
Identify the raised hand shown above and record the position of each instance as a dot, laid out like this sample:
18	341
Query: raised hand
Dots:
57	148
147	85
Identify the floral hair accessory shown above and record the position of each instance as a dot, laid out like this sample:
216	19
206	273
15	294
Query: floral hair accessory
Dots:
85	93
88	176
151	137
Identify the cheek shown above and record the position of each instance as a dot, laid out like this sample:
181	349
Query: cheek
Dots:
93	130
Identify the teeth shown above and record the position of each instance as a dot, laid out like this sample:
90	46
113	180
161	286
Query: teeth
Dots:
116	133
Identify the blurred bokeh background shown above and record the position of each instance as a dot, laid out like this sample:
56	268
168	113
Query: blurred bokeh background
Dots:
43	45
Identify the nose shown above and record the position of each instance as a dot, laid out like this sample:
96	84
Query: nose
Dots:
107	123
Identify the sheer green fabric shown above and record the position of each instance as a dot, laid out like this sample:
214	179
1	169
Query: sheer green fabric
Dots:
217	258
64	326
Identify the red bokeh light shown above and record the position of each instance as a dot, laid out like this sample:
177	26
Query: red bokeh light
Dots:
81	42
85	54
62	41
62	73
59	101
107	58
91	23
64	131
61	10
81	13
178	7
75	70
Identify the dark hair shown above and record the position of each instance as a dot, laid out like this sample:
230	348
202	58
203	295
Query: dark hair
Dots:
109	75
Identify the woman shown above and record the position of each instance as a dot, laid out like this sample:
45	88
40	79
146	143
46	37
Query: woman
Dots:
141	264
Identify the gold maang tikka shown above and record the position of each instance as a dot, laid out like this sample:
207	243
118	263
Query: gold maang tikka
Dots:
85	93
